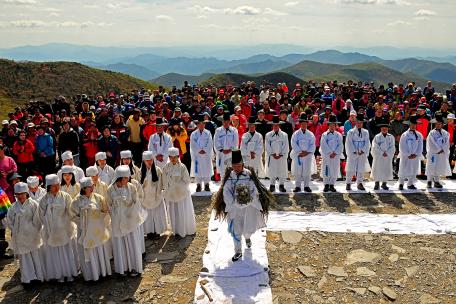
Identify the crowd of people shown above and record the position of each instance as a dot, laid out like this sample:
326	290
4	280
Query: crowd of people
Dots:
131	157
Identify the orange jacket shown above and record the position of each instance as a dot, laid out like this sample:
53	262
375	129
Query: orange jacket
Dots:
24	152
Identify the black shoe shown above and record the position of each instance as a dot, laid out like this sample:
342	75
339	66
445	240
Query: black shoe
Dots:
438	185
198	188
411	187
153	236
297	189
307	189
401	187
272	188
429	184
282	188
348	187
377	186
384	186
361	187
332	188
206	188
248	242
326	188
236	256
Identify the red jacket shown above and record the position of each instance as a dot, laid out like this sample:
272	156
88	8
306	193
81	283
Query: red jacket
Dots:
24	152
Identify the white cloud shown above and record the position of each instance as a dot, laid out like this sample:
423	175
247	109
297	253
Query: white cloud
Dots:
395	2
425	12
203	9
291	3
358	1
399	23
164	18
24	24
19	2
243	10
270	11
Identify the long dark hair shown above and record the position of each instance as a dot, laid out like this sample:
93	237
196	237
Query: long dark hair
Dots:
144	172
72	182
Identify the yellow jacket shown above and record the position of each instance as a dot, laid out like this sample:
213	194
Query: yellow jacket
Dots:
182	138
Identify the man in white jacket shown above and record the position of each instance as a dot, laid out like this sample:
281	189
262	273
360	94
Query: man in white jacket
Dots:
159	143
226	139
357	146
277	149
331	148
302	155
383	149
201	153
438	153
252	147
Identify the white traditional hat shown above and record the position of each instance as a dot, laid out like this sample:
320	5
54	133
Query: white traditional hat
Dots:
86	182
100	156
122	171
67	155
173	151
91	171
33	181
52	179
125	154
67	169
147	155
21	188
450	116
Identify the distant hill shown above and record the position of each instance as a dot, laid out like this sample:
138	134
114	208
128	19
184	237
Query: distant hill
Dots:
130	69
336	57
175	79
19	81
266	66
237	79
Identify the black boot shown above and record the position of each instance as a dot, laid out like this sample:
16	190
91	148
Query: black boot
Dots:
307	189
438	185
248	242
206	188
272	188
377	186
411	187
297	189
384	186
282	188
236	256
401	187
332	188
429	184
198	187
348	187
326	188
361	187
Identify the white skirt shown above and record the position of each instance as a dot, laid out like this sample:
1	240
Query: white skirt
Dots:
32	266
98	261
61	262
182	216
156	220
143	241
127	252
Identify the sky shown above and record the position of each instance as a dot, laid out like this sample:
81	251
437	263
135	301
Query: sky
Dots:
320	24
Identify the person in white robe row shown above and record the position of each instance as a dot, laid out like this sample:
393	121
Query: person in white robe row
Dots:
331	149
277	148
357	147
302	156
383	149
126	158
438	153
99	187
252	148
226	139
67	159
69	184
201	154
159	143
36	192
105	171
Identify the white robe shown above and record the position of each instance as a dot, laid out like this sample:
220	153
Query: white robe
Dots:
154	204
276	144
354	143
72	190
100	188
382	166
410	144
243	219
255	144
178	200
201	163
303	142
438	164
331	143
224	139
106	174
94	246
160	147
78	173
40	192
25	224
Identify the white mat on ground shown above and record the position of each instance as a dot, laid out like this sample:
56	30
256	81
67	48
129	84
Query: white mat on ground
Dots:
244	281
362	222
317	187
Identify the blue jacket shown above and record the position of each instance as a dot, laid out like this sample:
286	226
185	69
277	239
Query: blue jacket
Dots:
45	143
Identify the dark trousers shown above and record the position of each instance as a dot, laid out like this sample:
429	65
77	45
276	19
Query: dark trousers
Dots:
46	165
136	150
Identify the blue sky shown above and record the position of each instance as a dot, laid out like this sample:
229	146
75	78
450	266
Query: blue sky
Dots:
320	24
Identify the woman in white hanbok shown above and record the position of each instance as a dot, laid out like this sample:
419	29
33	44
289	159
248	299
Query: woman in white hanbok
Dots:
68	183
99	187
153	203
90	213
177	196
126	159
59	233
127	216
105	171
25	224
35	191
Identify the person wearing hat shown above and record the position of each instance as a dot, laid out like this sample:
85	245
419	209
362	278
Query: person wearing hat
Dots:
59	234
252	148
34	190
24	221
410	154
243	201
126	160
127	216
89	212
176	192
201	155
67	159
277	148
105	171
331	149
438	153
357	147
99	187
159	143
68	183
383	149
153	203
226	139
303	163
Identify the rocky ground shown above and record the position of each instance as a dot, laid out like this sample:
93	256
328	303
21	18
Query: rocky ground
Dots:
311	267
